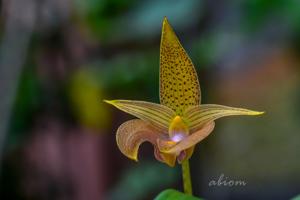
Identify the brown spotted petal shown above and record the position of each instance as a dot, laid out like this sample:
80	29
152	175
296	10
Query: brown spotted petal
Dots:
179	85
131	134
187	142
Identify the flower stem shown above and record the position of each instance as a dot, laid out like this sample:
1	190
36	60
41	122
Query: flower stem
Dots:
186	176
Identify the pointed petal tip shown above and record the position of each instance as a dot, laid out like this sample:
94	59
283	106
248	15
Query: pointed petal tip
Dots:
134	158
257	112
107	101
165	19
112	102
166	24
171	165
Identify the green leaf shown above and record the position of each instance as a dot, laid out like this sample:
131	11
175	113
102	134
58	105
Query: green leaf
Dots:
171	194
296	197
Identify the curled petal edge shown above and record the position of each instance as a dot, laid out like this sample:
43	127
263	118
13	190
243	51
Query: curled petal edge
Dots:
131	134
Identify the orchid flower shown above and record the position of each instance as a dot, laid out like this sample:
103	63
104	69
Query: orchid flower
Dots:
180	121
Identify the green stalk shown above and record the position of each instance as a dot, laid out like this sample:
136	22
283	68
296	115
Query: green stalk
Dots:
186	176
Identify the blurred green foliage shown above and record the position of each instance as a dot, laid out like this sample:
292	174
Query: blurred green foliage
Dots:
171	194
28	102
100	15
142	179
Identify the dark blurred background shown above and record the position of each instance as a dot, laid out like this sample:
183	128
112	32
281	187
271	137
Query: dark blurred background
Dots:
60	58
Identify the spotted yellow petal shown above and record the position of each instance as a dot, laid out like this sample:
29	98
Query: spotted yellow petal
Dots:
179	85
131	134
187	142
158	115
197	116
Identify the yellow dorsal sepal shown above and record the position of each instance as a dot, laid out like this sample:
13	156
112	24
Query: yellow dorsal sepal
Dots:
179	86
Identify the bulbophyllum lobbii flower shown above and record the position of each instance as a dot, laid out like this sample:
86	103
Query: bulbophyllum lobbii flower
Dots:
179	122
